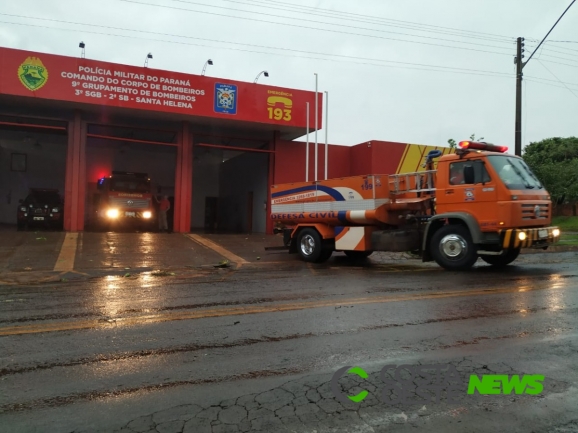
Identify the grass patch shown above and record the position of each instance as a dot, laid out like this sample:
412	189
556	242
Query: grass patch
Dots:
566	223
566	239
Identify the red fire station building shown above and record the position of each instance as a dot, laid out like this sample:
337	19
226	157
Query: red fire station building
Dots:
215	146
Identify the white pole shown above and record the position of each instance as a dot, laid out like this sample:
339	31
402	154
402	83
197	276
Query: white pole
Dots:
326	120
316	127
307	149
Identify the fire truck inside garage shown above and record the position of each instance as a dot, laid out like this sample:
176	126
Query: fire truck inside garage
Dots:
128	170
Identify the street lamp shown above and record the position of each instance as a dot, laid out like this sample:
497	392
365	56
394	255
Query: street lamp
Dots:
208	62
149	56
262	72
82	53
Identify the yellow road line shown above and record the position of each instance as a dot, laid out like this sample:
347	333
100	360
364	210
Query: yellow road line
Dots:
237	311
65	261
218	249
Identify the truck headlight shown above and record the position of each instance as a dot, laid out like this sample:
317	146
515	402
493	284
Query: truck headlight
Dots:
147	214
522	236
112	213
556	233
22	209
55	209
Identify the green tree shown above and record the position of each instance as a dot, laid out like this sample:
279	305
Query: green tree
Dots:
555	162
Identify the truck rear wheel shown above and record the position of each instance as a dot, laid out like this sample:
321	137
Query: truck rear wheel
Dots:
310	246
502	260
358	255
452	248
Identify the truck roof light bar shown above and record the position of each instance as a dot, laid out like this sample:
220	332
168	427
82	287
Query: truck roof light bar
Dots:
477	145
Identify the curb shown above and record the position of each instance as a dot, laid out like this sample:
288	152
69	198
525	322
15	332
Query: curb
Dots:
18	278
553	249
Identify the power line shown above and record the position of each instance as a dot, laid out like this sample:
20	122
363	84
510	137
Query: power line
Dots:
312	28
562	48
545	84
546	81
356	59
432	68
560	58
545	48
559	63
549	31
569	89
520	64
369	19
336	24
239	43
553	81
470	33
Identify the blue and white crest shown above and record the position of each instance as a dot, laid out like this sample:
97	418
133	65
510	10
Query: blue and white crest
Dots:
225	98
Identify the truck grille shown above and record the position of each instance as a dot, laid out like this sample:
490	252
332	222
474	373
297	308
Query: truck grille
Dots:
130	203
529	211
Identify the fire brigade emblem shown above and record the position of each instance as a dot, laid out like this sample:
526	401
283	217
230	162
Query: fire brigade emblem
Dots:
225	98
33	74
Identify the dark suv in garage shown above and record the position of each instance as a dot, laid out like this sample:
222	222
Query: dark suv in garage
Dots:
42	207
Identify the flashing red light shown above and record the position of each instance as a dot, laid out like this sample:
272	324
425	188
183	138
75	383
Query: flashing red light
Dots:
482	146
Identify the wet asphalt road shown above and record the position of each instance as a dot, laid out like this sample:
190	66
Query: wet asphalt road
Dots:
255	348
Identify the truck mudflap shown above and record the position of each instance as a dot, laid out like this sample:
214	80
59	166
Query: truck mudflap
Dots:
539	237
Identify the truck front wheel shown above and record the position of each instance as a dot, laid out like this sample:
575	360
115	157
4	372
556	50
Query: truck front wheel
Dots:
452	248
310	246
502	260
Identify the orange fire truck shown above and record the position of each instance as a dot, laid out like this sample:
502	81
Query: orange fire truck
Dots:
479	202
123	197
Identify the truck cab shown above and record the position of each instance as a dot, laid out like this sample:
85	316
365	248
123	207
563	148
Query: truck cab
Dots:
497	198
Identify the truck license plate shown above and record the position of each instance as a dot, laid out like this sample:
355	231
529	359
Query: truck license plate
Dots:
543	234
130	214
38	218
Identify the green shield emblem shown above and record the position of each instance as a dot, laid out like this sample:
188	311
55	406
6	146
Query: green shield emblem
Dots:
33	74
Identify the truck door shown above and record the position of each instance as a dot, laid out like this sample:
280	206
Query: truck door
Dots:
477	196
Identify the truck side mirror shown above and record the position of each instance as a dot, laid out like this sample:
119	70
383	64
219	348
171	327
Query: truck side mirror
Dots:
469	175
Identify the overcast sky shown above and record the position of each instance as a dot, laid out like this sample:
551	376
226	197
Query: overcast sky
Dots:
353	46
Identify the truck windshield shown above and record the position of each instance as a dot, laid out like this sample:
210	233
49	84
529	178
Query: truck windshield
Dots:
129	185
514	172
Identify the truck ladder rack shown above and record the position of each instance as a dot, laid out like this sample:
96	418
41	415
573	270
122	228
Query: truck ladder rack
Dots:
419	181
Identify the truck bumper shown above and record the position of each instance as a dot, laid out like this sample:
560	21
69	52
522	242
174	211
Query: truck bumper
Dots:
531	238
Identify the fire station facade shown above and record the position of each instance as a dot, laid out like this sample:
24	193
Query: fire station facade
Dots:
214	146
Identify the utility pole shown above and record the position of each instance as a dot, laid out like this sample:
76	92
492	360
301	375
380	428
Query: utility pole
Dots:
519	65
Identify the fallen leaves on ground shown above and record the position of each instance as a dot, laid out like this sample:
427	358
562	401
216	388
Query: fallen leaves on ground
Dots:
160	273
